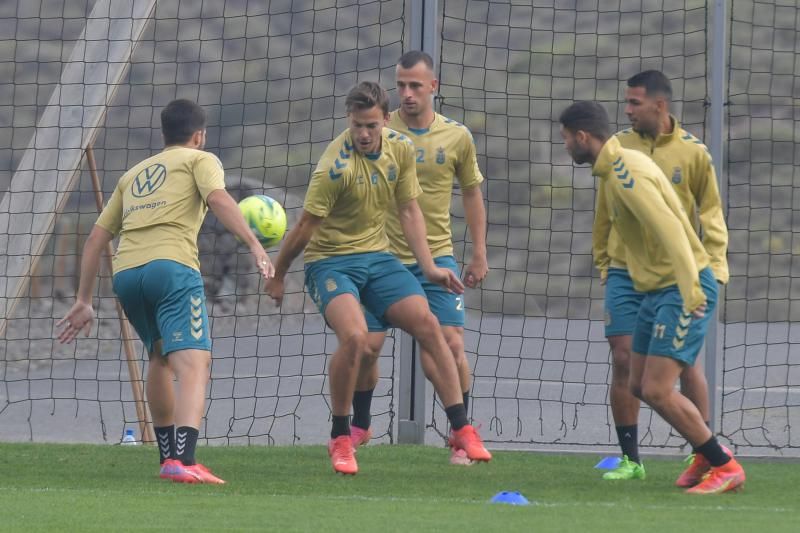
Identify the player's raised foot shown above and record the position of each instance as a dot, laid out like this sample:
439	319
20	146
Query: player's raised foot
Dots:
626	469
341	452
728	477
359	437
459	457
698	467
170	468
467	439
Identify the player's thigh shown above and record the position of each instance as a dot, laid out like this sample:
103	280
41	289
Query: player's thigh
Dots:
389	284
343	314
621	303
127	286
678	334
191	364
329	278
176	291
643	324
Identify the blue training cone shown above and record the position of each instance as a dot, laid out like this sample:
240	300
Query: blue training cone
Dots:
608	463
511	498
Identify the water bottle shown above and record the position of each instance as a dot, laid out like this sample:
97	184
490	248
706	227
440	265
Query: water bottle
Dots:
129	439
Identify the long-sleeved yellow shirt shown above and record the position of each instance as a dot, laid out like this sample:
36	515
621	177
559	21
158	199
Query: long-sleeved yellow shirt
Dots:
661	246
683	158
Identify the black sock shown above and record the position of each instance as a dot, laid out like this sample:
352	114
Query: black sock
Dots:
466	401
185	443
362	400
708	425
457	415
712	451
341	426
165	436
629	441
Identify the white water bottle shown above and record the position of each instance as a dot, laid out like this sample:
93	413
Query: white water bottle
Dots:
129	439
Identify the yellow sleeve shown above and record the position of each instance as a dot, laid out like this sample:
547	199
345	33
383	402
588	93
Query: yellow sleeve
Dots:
601	228
467	170
110	218
208	174
407	183
648	205
712	218
324	189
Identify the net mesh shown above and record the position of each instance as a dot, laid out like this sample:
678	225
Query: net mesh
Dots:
761	378
535	329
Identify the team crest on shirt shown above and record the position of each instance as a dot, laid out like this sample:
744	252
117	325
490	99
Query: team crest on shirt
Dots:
440	156
330	285
392	172
676	175
374	178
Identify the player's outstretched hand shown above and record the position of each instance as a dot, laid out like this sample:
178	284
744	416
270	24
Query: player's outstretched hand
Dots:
275	290
80	317
476	271
263	264
446	278
700	312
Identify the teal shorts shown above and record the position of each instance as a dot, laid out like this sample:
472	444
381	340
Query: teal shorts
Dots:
622	303
376	279
662	328
165	300
446	306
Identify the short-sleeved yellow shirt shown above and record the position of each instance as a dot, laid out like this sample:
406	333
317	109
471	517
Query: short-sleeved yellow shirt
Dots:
159	205
353	191
443	151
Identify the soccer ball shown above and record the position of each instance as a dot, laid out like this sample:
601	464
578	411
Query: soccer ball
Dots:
266	218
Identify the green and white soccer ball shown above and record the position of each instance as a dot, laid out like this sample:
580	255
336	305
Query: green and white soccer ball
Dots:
266	218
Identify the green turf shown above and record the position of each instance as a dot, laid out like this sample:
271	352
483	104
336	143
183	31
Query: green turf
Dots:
399	488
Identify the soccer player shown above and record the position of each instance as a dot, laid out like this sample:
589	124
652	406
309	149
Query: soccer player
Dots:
658	134
666	261
363	171
444	150
157	209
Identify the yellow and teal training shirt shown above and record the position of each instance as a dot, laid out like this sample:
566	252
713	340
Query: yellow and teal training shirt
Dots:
159	205
685	160
661	246
443	151
353	191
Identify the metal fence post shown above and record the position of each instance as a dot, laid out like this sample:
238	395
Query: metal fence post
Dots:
411	395
715	351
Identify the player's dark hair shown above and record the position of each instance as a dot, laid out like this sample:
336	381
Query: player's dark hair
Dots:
181	119
654	83
411	58
367	95
590	117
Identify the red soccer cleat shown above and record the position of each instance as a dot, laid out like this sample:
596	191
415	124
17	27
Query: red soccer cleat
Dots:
467	439
342	459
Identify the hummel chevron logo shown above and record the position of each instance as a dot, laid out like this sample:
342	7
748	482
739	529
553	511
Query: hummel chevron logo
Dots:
681	332
334	175
196	301
197	334
678	344
196	312
685	320
164	440
343	154
181	443
339	164
197	323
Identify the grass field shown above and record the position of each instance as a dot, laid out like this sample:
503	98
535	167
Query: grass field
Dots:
399	488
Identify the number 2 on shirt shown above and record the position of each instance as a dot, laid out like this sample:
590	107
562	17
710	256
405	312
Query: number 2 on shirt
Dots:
420	155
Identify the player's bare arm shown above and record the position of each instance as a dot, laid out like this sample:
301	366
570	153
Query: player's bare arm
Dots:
475	213
226	210
413	225
81	314
293	245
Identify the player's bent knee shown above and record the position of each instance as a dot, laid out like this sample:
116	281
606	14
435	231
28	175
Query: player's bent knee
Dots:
355	346
654	394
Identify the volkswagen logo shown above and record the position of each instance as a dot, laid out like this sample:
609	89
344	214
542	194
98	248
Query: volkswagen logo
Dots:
149	180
